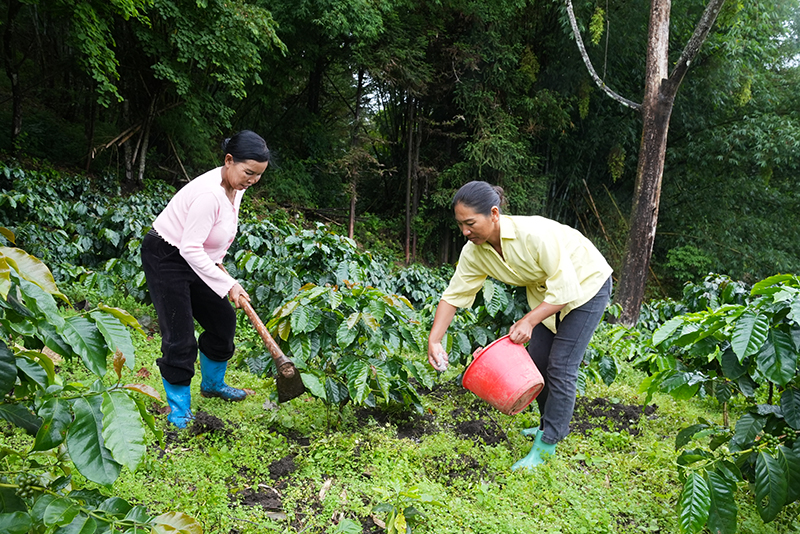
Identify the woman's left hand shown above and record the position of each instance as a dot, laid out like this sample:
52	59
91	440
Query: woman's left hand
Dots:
236	293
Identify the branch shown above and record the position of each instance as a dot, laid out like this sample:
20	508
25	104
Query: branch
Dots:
600	83
696	41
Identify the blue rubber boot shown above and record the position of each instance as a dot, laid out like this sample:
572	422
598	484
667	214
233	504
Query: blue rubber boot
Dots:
179	399
539	453
213	383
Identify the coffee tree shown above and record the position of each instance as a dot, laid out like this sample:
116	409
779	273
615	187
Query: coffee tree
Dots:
96	429
739	347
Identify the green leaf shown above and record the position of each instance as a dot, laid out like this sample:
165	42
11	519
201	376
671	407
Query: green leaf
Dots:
693	504
15	523
334	298
123	433
10	502
85	442
747	428
377	309
358	381
790	406
39	300
667	329
335	392
771	486
383	381
82	524
32	269
778	359
87	342
33	370
791	459
749	334
348	526
116	336
731	366
762	286
314	386
60	511
722	510
299	319
8	369
686	435
19	415
56	418
345	334
300	347
463	343
608	369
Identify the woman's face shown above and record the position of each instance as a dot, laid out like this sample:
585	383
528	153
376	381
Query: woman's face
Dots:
477	227
243	174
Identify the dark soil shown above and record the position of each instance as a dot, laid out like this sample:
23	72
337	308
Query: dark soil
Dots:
489	432
607	416
264	496
205	423
283	467
463	467
368	526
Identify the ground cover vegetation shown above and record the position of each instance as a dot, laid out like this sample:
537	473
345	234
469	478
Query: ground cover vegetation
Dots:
688	421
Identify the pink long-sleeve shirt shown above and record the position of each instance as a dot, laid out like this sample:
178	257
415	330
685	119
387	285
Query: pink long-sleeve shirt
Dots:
201	223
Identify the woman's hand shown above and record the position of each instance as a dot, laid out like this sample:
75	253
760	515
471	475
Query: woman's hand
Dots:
437	357
236	293
520	332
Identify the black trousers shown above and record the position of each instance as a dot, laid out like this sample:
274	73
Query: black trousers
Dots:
180	297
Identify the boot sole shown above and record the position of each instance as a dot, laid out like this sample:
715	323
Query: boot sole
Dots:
215	395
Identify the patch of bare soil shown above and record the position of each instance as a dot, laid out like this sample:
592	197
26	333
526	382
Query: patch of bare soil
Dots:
264	496
205	423
463	467
283	467
608	416
489	432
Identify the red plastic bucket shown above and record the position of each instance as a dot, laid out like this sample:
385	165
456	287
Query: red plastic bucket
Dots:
504	375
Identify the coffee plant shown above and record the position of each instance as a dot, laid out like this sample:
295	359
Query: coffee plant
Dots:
739	345
351	342
97	429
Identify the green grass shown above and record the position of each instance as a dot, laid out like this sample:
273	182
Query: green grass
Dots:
601	482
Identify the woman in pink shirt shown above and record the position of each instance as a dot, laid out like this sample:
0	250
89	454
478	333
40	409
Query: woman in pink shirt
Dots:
180	257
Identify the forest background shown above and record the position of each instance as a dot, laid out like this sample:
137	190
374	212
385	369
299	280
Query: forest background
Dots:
377	111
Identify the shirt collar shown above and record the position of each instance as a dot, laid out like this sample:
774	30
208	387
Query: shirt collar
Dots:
508	230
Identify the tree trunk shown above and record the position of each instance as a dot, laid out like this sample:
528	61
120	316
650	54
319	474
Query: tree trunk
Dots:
415	187
656	110
12	71
659	97
409	174
351	225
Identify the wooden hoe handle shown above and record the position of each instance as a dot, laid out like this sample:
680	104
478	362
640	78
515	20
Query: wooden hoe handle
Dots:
284	364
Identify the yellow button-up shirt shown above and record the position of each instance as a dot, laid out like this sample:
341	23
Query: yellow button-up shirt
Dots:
555	263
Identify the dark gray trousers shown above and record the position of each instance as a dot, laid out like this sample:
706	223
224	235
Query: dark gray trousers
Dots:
558	357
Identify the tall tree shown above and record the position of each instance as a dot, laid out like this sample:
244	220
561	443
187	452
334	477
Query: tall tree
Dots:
660	89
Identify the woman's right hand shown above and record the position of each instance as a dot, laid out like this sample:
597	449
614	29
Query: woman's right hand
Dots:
437	357
236	293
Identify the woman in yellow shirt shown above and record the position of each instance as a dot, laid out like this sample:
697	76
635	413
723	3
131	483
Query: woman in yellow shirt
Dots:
568	284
